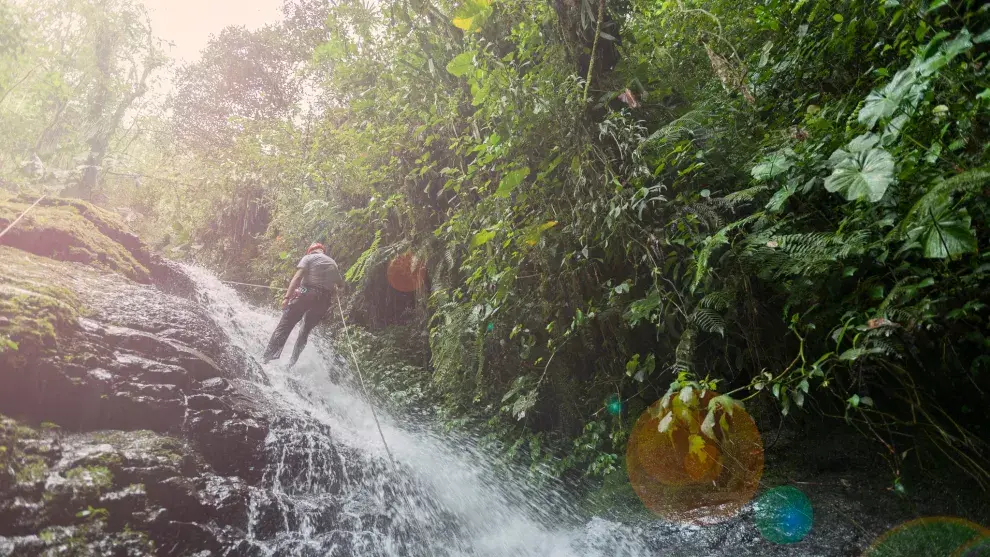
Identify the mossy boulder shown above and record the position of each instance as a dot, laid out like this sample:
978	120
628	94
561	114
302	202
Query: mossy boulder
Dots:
73	230
34	307
37	300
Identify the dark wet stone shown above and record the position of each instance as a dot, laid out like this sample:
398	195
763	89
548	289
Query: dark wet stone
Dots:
21	546
124	505
226	498
169	277
269	515
146	412
215	386
180	538
236	443
158	438
114	493
244	548
150	371
206	402
100	375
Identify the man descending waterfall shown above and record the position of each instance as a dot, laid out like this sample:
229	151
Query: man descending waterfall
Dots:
309	296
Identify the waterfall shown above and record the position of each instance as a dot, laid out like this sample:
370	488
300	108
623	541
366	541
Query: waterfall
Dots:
329	490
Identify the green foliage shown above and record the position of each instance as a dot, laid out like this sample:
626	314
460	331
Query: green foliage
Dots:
360	267
92	514
70	70
785	198
861	171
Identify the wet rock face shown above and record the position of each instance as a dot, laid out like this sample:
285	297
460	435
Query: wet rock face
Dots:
153	437
112	493
141	359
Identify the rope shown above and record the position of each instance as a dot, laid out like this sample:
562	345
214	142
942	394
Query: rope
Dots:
350	345
254	285
357	367
11	225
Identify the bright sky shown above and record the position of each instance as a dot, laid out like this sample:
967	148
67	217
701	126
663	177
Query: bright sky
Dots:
189	23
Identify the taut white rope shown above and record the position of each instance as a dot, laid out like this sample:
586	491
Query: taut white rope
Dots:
11	225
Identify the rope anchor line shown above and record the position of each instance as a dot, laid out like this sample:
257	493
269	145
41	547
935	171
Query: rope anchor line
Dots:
254	285
357	366
18	219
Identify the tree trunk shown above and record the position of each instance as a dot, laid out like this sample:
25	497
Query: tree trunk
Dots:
579	35
100	141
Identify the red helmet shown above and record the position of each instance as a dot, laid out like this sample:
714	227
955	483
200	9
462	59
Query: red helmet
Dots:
315	246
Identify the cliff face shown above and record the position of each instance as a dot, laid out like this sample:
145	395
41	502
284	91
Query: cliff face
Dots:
121	432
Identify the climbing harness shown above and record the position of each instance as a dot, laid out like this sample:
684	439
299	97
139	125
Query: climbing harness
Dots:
350	345
11	225
357	367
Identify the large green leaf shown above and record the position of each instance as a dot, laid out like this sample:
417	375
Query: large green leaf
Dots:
511	180
938	198
909	85
958	45
471	14
482	238
780	198
947	235
882	103
773	165
861	170
461	64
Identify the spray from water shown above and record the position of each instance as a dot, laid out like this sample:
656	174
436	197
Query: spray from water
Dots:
329	489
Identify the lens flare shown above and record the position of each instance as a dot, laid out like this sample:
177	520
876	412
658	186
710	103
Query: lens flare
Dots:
406	273
703	467
929	536
784	515
976	548
613	404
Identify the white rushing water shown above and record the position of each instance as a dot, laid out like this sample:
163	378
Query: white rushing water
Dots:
336	494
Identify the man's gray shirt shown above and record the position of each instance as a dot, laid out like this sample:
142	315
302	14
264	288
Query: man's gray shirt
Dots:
320	271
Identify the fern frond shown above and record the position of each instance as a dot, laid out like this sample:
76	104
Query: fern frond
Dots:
457	345
711	243
708	321
722	204
748	194
360	267
806	254
720	300
687	125
708	212
684	353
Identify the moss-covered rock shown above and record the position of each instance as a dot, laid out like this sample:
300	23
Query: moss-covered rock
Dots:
155	449
72	230
34	309
37	303
109	493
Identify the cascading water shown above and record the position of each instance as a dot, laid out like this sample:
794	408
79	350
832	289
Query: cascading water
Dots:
329	488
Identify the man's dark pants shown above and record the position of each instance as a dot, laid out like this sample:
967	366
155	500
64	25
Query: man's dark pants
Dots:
310	307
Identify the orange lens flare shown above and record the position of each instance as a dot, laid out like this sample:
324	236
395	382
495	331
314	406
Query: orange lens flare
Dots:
407	273
693	474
